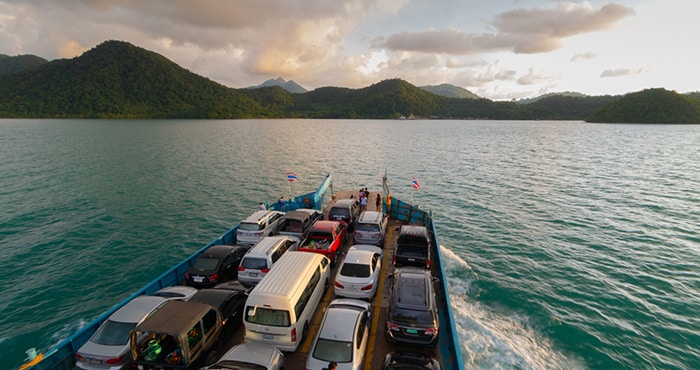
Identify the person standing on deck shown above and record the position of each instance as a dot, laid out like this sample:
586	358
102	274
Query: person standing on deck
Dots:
262	206
363	203
378	202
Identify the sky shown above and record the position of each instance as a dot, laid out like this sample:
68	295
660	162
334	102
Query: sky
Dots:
497	49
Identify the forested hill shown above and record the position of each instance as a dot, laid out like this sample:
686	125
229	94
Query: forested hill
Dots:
651	106
119	80
9	65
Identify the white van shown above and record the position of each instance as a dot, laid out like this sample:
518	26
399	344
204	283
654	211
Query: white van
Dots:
279	309
259	259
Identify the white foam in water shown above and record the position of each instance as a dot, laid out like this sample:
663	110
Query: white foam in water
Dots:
496	340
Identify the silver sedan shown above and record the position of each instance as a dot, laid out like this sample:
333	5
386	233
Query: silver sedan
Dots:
358	275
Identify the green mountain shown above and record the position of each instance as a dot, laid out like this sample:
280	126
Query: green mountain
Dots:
650	106
10	65
119	80
450	91
290	86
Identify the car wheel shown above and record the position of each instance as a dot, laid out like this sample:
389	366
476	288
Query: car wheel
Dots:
211	358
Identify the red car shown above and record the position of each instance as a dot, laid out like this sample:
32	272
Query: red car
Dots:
325	237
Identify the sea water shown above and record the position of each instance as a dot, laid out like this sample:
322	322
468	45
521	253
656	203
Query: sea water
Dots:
568	245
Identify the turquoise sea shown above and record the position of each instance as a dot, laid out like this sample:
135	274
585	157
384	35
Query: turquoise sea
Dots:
570	245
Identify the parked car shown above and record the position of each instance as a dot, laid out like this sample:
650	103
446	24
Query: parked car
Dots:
342	336
258	225
296	223
229	303
410	360
179	335
358	274
413	247
345	210
108	348
181	292
326	238
217	264
254	356
412	314
371	228
262	256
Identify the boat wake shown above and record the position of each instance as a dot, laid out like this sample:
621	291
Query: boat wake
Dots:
491	339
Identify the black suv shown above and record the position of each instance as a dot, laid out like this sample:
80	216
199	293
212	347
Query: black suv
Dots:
412	316
413	247
409	359
346	210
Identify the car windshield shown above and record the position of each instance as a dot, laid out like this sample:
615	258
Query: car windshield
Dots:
332	350
113	333
254	263
406	316
249	226
355	270
235	365
206	263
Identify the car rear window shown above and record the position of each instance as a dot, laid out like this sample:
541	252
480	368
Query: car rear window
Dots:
407	316
113	333
267	316
249	226
338	213
355	270
254	263
205	263
368	227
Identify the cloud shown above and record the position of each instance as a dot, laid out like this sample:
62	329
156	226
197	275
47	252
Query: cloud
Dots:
583	56
622	72
533	77
526	31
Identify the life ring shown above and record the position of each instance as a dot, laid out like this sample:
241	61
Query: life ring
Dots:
33	362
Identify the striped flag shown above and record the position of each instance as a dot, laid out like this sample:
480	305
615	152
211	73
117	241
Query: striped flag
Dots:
415	183
291	177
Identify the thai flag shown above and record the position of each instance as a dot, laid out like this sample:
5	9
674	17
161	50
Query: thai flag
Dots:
291	177
415	183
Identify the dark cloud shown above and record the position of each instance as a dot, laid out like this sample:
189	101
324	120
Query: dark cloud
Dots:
525	31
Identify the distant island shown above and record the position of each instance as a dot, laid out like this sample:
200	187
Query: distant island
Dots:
119	80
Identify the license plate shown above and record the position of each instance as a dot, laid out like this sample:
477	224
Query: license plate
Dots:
197	279
411	331
268	336
412	259
95	362
254	274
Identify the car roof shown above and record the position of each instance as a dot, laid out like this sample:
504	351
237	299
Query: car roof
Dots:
345	202
412	285
137	308
219	250
257	215
175	291
296	215
369	216
339	322
266	243
175	317
215	297
256	353
358	256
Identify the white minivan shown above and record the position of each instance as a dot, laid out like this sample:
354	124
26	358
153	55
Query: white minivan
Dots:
258	261
279	309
